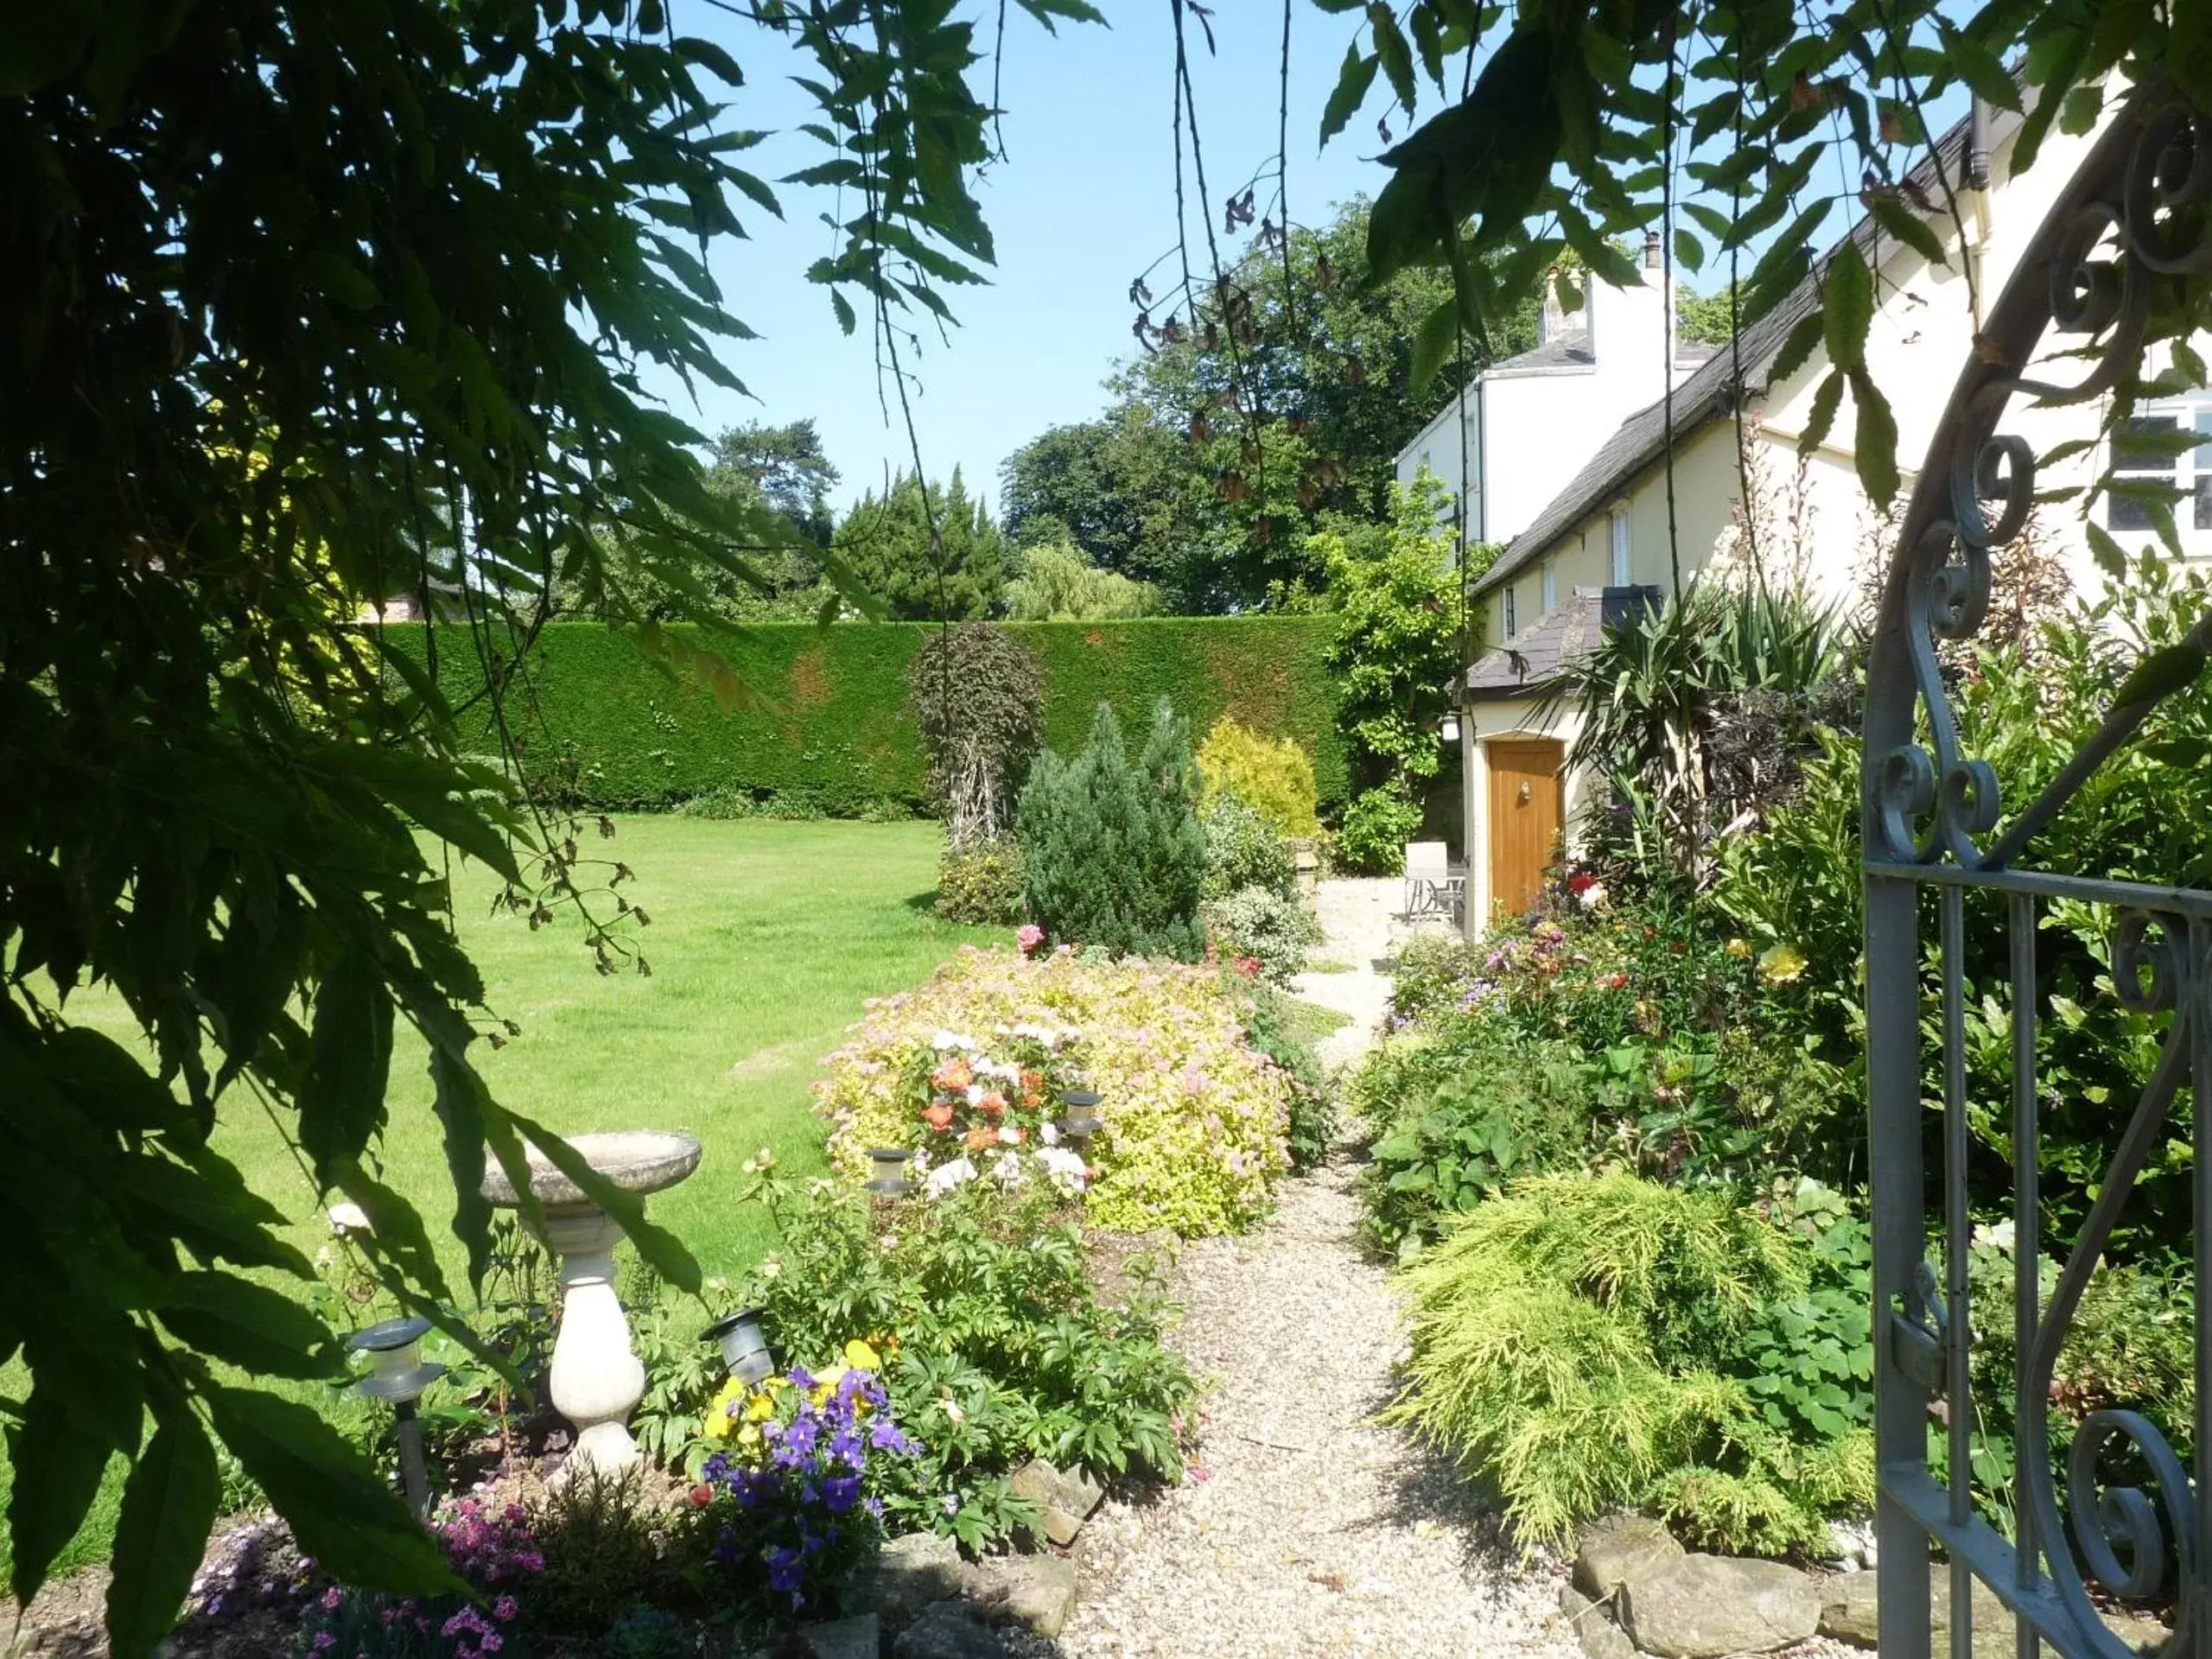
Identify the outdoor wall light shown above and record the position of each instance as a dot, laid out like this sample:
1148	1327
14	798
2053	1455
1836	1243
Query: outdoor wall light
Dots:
888	1166
744	1345
398	1377
1450	728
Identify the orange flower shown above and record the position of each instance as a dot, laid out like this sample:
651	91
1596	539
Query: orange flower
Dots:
939	1115
953	1074
993	1104
980	1139
1032	1078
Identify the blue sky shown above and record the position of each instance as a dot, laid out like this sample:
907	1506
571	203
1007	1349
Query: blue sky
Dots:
1085	202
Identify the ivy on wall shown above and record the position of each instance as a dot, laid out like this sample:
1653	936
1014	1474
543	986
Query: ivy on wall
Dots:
604	724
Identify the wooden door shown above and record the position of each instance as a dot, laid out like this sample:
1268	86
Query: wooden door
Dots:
1527	801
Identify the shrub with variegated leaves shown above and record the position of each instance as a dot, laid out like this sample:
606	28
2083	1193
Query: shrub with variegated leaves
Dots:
1195	1117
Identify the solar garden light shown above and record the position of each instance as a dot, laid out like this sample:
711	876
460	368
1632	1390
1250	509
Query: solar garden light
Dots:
888	1165
399	1378
1081	1120
744	1345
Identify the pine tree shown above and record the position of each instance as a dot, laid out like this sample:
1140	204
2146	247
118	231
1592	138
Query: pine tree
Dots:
1113	854
886	540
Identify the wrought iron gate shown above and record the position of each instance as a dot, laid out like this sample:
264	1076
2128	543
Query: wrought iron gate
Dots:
2135	214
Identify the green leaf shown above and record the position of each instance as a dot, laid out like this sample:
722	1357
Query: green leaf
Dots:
1396	55
395	1230
661	1249
341	1100
1980	67
1350	91
2107	553
1689	253
245	1325
1797	347
341	1514
1847	307
57	1467
1826	401
1902	222
2161	672
169	1509
1433	343
1876	439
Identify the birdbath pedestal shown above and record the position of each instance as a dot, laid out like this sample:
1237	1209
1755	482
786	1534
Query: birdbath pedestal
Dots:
596	1380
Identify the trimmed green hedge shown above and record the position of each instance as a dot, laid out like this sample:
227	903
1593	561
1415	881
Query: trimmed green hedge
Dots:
606	724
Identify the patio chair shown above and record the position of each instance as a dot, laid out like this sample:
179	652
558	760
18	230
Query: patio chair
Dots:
1434	887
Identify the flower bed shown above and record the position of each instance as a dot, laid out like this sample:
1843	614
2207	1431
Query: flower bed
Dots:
1195	1116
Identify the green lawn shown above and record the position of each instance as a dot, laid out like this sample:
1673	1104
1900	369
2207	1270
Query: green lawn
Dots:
765	937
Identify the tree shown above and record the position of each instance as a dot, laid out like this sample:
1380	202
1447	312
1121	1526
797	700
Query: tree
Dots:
1058	584
305	307
1122	489
782	467
778	469
1247	418
977	696
953	576
1113	855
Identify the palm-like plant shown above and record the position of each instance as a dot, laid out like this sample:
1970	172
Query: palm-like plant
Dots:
1694	713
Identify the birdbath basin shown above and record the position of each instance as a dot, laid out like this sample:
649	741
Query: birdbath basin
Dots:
596	1380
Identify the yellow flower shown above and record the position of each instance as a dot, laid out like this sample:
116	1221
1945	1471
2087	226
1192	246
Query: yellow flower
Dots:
861	1358
1739	949
722	1412
1782	964
760	1407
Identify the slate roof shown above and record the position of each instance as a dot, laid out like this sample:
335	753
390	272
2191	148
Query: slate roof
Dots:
1536	658
1709	394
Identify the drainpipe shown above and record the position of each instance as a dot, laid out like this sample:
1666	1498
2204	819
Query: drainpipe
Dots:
1977	182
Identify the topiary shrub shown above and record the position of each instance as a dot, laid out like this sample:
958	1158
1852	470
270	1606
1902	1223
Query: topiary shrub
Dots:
1273	776
1377	827
1113	855
1195	1115
1243	850
1262	927
1570	1346
981	884
978	699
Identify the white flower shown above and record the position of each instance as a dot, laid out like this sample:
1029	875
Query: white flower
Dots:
348	1218
945	1176
974	1093
1009	1135
1049	1134
1009	1170
1995	1237
943	1041
1592	897
1063	1167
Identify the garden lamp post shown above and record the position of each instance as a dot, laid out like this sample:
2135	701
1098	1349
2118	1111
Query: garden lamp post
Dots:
744	1345
1081	1120
887	1168
399	1378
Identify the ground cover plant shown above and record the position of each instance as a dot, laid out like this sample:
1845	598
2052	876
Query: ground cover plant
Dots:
1197	1116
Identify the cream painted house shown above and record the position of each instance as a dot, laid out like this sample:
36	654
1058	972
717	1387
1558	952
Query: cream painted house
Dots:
1602	543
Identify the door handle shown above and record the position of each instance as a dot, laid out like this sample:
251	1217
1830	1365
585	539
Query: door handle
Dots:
1524	792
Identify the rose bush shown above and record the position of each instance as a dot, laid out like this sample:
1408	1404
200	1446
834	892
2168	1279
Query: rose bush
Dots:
1196	1118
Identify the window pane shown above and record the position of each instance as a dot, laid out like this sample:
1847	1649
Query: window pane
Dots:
2204	439
2204	500
2135	457
2121	512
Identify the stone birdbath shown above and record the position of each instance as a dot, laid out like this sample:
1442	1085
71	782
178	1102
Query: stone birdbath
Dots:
596	1378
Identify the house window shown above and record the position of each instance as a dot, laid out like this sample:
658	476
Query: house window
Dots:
1550	587
1511	621
1618	575
2148	453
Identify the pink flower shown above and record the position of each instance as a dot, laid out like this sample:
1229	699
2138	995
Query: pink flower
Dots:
330	1600
1028	936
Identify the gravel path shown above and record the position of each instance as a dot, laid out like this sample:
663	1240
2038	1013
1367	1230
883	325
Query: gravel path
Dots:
1361	933
1306	1528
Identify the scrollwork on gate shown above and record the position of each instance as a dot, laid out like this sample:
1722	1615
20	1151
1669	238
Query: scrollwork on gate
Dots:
2136	215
